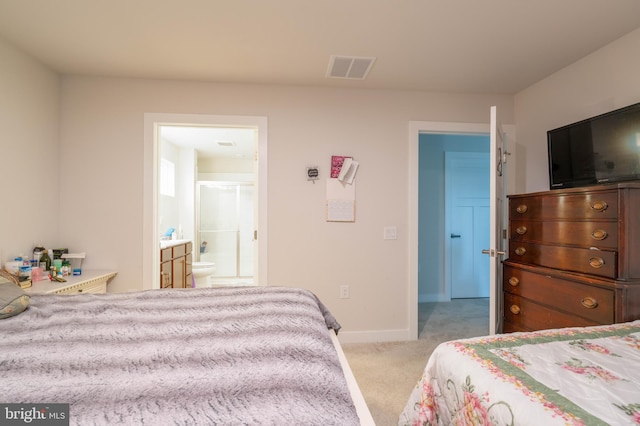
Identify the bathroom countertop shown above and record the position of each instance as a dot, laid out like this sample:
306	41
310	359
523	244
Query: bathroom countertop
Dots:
170	243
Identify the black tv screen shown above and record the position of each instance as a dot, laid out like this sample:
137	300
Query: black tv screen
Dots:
598	150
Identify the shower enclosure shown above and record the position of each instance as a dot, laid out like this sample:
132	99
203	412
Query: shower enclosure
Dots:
224	222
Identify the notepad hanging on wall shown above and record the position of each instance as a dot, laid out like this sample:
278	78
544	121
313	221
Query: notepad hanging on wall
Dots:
336	164
343	168
348	171
341	201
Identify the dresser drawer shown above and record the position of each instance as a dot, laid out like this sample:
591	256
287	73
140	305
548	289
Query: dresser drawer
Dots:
179	250
166	254
603	235
594	304
588	205
94	287
525	315
513	327
593	262
166	275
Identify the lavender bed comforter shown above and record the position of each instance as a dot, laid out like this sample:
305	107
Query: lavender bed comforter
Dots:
228	356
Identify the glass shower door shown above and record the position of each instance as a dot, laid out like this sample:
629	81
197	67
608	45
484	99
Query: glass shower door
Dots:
225	227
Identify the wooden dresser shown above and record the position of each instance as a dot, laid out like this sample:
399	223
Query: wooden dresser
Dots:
574	258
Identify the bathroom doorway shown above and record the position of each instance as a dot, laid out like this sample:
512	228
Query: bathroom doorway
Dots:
205	207
208	168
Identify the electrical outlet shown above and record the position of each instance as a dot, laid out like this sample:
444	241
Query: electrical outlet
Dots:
344	292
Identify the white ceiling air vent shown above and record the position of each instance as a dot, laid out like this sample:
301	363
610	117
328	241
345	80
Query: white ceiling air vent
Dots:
351	67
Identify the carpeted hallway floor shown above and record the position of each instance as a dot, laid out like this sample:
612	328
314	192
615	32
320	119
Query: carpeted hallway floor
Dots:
387	372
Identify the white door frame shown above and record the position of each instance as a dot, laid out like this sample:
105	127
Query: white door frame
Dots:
415	129
150	239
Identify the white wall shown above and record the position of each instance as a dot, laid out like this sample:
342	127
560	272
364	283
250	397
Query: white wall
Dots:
104	119
225	165
602	81
29	158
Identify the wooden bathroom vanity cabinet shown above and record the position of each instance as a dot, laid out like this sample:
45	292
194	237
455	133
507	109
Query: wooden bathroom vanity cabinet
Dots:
574	258
175	264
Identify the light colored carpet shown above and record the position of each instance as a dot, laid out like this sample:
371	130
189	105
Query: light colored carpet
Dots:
387	372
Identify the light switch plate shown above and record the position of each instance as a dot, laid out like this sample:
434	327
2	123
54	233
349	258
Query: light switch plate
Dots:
390	233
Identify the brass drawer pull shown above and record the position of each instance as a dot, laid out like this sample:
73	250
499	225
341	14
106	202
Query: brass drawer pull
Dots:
522	208
589	303
514	281
599	206
596	262
520	251
599	234
521	230
515	309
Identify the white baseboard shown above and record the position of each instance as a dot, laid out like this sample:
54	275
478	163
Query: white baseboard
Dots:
424	298
372	336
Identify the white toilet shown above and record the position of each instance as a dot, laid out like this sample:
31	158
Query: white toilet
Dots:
201	271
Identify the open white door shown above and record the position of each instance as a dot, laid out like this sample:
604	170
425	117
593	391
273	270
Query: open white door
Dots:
256	211
496	214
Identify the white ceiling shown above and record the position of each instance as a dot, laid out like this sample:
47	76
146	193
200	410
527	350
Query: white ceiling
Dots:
489	46
235	143
468	46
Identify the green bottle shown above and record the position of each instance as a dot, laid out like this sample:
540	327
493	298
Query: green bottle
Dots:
46	259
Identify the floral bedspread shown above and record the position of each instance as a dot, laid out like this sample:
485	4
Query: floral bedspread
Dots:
571	376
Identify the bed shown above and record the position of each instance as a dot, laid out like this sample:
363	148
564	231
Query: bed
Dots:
571	376
243	355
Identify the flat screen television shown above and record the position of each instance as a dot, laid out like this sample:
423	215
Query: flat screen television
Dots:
598	150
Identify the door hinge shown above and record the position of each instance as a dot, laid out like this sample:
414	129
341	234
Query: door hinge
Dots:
255	234
504	234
